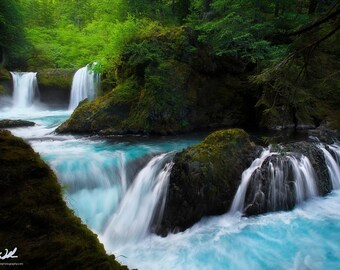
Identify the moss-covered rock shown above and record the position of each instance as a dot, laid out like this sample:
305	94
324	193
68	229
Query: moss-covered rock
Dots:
168	83
35	218
205	178
55	86
8	123
56	78
4	74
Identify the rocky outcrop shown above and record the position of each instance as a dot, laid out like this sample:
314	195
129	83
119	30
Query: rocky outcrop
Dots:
35	218
168	83
205	178
8	123
55	86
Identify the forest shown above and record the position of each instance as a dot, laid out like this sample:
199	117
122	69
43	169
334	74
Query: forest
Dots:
280	44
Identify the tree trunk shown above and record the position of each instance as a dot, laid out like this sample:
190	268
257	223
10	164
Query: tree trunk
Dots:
312	6
173	8
257	10
277	8
207	5
3	57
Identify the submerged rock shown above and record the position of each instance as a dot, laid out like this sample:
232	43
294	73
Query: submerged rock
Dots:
35	218
205	177
7	123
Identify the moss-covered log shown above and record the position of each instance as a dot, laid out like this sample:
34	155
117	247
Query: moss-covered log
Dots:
35	218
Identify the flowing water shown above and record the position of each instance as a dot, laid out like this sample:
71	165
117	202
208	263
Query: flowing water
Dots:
118	186
25	90
84	85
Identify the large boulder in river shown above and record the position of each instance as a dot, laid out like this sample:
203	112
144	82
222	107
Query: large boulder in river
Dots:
205	178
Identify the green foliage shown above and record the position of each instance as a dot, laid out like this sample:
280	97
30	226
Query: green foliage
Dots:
12	42
291	88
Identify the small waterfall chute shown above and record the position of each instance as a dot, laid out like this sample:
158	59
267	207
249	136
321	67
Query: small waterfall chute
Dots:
332	164
275	181
84	86
25	91
238	202
143	200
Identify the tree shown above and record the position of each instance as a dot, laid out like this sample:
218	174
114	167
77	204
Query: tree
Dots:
12	37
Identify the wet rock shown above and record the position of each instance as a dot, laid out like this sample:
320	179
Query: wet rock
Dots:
35	218
7	123
205	177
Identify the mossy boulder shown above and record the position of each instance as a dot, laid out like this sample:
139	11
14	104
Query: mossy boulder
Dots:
35	218
205	178
4	74
168	83
55	85
8	123
56	77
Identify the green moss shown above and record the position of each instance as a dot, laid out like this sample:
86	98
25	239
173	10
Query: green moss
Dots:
36	220
164	86
56	77
205	177
2	90
4	74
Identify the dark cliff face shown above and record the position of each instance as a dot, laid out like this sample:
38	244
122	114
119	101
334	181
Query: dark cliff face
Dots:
168	83
205	178
35	219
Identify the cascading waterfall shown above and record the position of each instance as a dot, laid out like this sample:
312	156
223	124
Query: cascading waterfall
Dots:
84	85
98	175
25	89
332	165
336	150
238	202
305	178
277	182
142	204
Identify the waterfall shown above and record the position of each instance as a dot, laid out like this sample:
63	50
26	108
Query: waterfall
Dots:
25	89
275	182
238	202
142	204
305	178
332	164
84	85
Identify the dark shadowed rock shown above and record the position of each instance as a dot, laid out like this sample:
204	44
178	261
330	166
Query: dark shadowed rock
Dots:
35	218
205	177
7	123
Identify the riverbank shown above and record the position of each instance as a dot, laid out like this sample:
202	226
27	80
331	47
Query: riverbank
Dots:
35	218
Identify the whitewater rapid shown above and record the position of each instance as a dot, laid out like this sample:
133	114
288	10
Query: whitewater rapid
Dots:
97	175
